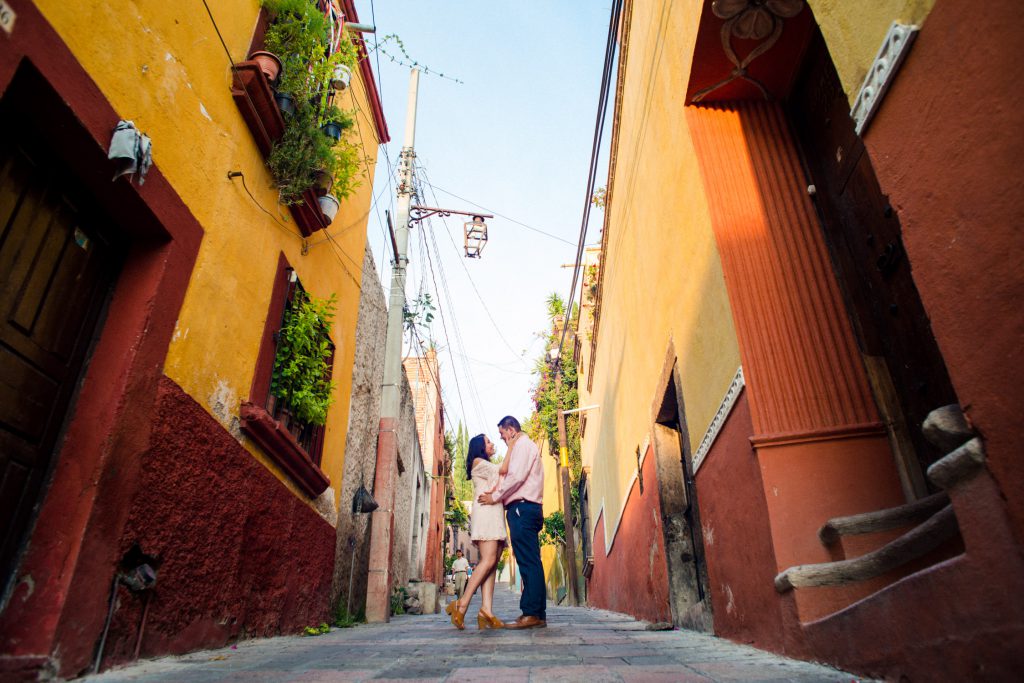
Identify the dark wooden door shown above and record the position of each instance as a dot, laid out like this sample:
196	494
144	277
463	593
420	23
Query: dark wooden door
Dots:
866	246
55	271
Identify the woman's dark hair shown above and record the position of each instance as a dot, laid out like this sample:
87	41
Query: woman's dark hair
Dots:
477	449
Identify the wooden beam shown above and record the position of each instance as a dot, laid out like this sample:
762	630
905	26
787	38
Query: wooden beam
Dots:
882	520
960	465
917	542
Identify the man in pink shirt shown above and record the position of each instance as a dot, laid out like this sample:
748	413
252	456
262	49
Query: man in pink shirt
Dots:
521	491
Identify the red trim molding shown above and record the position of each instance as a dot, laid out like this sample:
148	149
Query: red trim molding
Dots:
283	449
349	9
828	434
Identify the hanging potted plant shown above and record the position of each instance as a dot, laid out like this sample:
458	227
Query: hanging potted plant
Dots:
336	122
296	34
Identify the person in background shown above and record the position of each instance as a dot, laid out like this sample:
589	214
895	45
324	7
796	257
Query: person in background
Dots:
460	571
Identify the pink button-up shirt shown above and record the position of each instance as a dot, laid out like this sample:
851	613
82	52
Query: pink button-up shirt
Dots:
525	477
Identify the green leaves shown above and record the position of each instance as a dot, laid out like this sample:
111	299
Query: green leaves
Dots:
298	34
301	375
553	532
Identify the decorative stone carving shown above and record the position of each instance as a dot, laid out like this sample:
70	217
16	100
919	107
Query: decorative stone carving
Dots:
750	20
716	423
894	50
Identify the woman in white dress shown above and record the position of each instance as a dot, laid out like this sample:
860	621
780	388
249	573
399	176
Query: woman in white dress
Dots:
487	531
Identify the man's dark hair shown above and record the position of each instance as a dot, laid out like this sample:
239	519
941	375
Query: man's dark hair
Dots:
459	551
509	421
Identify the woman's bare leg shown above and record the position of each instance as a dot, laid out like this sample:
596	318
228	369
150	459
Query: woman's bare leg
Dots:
488	560
487	588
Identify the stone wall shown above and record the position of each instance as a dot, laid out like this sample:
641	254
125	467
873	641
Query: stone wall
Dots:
405	560
353	546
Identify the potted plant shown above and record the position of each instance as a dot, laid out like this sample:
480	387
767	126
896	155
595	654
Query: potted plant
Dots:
301	373
268	62
336	122
298	34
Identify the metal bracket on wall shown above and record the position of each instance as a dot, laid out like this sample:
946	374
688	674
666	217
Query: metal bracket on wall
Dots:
883	70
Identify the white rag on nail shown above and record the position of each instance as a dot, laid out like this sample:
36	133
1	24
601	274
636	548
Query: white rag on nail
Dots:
132	151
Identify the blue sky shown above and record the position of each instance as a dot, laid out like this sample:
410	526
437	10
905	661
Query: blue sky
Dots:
514	137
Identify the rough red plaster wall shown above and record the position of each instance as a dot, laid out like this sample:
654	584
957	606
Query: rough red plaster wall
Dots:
633	579
960	620
241	555
737	538
947	147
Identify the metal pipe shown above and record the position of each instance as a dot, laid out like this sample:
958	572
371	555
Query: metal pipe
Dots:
106	626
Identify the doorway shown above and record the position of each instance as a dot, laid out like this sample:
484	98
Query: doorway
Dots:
57	270
905	368
689	587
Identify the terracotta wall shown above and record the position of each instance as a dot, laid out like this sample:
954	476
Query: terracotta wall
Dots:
737	536
240	556
947	146
633	577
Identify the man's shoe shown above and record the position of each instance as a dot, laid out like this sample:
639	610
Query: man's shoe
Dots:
527	621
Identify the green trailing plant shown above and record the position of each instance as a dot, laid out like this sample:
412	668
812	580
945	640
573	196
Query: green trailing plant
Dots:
398	597
503	559
299	35
342	619
456	514
550	396
553	532
301	374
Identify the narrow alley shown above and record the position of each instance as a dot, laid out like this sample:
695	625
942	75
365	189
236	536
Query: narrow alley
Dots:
578	644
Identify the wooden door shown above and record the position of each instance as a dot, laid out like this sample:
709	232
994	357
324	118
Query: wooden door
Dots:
55	272
865	242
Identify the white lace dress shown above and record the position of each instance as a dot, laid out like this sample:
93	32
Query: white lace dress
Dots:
487	522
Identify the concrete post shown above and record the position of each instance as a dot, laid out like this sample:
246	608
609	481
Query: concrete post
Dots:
378	587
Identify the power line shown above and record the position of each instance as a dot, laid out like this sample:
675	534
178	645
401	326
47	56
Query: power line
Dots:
457	336
496	213
602	108
486	308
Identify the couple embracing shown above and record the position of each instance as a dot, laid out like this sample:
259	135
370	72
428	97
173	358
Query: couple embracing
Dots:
511	493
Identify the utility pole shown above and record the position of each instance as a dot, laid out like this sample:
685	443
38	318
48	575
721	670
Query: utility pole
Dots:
378	587
563	472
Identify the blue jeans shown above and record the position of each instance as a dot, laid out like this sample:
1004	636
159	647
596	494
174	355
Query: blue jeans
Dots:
525	520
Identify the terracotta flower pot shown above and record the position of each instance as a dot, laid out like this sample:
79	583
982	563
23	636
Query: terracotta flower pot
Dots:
329	205
268	62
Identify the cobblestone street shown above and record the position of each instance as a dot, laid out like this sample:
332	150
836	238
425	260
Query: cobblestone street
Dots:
578	645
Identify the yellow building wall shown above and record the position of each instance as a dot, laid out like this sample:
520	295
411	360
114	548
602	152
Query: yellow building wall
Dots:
662	281
854	31
175	85
550	555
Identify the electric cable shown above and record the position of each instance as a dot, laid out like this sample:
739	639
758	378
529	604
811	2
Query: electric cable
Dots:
602	107
472	283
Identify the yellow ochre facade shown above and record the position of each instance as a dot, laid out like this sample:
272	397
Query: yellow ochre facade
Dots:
175	86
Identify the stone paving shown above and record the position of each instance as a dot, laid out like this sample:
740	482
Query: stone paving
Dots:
579	644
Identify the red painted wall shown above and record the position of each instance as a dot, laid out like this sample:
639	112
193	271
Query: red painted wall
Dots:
947	148
633	578
737	538
241	556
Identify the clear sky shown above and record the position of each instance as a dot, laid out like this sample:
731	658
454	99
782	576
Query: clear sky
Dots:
514	137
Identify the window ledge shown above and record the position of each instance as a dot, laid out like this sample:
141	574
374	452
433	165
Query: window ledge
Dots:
255	100
280	445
